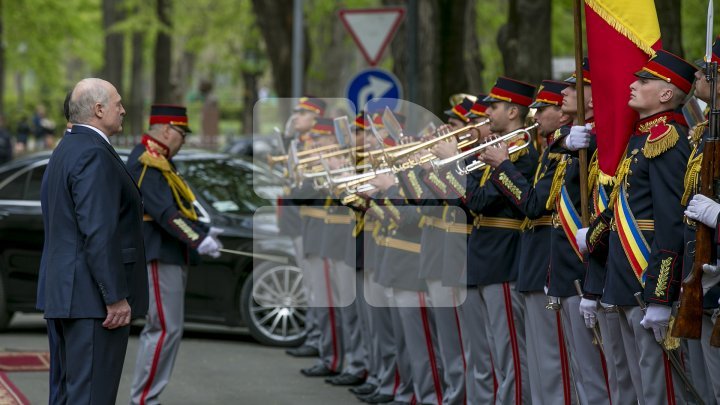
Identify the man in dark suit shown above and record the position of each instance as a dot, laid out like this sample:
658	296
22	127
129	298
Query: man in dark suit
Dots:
93	280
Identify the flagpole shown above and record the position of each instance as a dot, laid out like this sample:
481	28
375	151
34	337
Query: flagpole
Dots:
580	88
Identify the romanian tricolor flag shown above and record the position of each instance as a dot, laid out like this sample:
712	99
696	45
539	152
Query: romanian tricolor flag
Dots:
621	36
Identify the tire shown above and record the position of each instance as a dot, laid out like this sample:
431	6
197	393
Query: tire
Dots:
279	318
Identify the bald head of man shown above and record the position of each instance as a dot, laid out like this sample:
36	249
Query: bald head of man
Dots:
97	103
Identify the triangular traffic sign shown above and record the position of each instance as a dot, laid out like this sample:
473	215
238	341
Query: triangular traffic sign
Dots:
372	29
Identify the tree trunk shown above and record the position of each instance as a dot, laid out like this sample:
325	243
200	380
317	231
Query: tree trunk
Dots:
275	20
183	76
249	98
525	41
2	63
137	84
114	52
163	54
474	64
670	28
453	78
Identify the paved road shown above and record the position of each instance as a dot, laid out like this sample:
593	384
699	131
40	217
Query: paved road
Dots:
215	366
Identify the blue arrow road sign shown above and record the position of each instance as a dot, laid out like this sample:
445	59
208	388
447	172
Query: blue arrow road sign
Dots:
374	84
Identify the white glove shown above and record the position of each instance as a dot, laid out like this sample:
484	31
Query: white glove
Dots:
578	138
657	317
215	231
588	309
711	276
580	238
209	246
704	210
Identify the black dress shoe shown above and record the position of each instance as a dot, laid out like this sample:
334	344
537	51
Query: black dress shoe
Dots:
318	371
345	379
377	398
364	389
303	351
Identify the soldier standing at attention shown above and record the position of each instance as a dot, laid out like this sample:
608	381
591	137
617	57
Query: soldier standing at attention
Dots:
172	234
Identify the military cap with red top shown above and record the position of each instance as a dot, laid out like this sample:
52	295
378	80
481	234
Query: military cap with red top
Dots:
702	63
323	127
461	110
586	73
549	94
670	68
511	91
311	104
479	107
361	122
175	115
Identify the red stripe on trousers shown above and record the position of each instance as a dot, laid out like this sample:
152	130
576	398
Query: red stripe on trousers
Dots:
462	348
605	372
397	381
430	349
513	342
563	359
331	311
670	389
161	340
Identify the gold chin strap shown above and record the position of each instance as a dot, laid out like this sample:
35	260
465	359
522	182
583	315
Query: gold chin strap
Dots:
184	197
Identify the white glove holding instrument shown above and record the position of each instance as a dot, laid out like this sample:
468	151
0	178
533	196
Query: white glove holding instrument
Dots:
580	238
711	276
657	318
209	246
588	309
579	137
703	209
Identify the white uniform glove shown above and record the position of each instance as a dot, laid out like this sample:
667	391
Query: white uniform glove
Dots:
588	309
657	318
215	231
579	137
580	238
704	210
209	246
711	276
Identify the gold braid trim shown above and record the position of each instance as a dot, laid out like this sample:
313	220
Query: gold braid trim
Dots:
605	179
557	183
671	342
593	172
657	145
622	172
516	155
182	194
486	175
697	132
692	174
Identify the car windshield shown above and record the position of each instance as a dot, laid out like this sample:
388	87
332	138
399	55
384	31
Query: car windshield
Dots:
227	185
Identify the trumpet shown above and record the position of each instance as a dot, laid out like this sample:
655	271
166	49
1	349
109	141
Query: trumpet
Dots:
273	160
424	145
442	163
478	164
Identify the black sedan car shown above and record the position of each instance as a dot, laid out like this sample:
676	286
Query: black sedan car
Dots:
219	291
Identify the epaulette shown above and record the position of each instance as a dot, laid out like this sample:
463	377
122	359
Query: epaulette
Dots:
156	161
661	139
697	132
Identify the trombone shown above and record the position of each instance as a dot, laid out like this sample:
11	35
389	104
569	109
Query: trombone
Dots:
273	160
478	164
456	159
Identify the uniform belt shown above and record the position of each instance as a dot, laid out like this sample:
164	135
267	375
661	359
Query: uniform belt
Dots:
369	227
459	228
147	218
313	212
399	244
504	223
338	219
643	224
542	221
435	222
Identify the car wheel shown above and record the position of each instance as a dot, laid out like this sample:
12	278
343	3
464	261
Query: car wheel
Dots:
273	304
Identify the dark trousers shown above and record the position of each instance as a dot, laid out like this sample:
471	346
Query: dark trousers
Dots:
86	361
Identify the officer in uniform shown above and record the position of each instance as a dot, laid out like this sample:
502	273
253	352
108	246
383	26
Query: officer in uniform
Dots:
548	360
644	248
299	125
172	234
704	358
497	229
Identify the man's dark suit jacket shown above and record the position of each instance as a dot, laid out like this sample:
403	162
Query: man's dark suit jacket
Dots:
93	254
